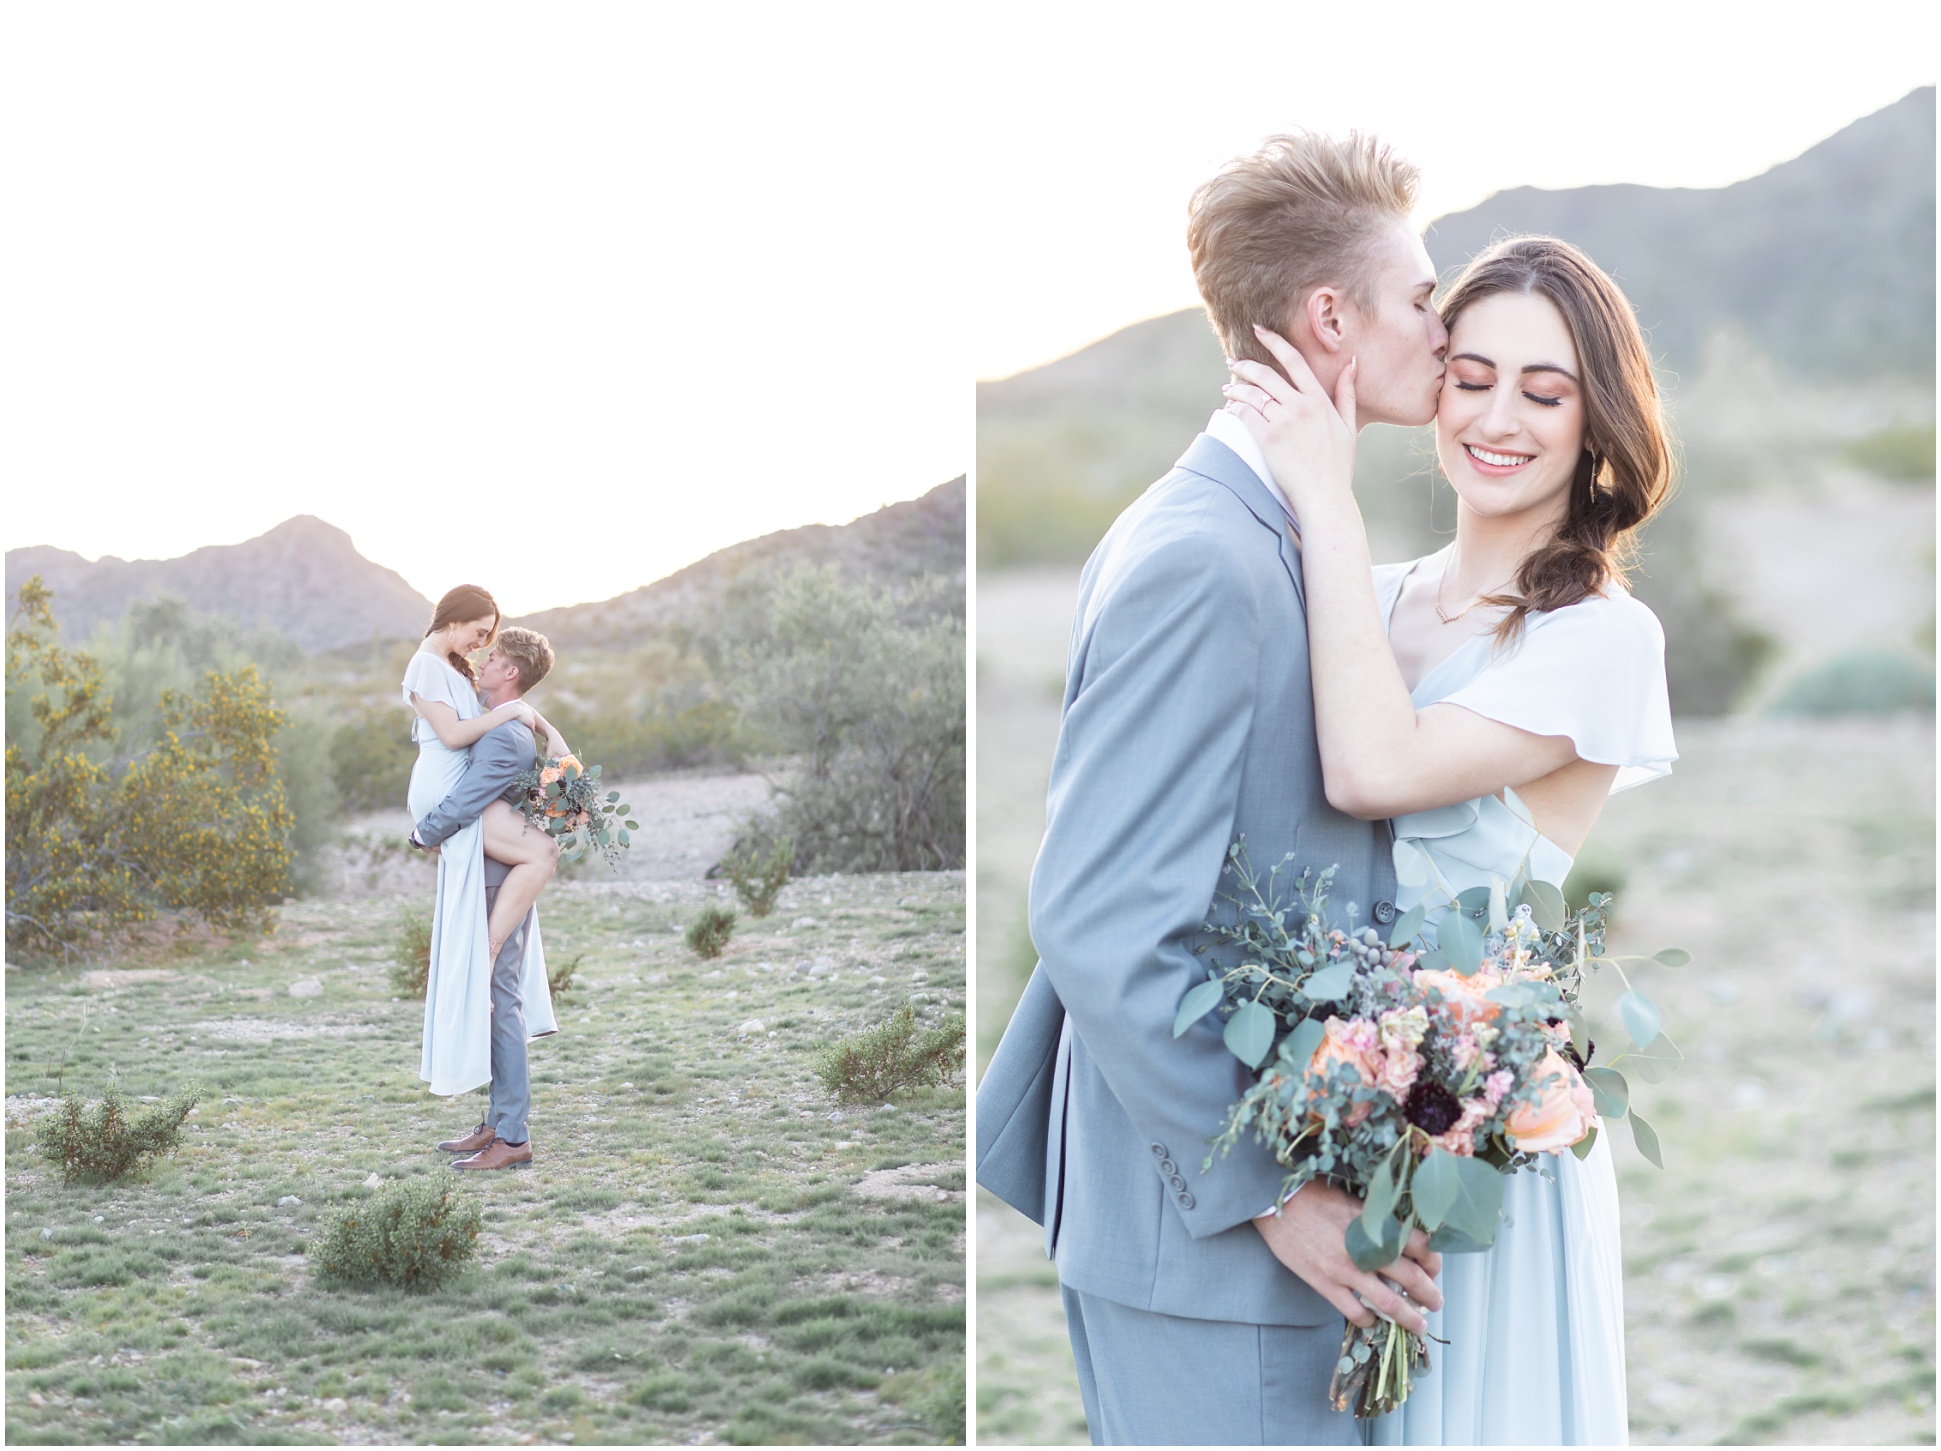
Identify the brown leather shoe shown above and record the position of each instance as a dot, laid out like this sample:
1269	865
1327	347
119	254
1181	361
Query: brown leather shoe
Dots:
497	1155
477	1139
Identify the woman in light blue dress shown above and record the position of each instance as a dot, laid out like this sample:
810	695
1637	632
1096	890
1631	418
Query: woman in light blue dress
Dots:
1487	699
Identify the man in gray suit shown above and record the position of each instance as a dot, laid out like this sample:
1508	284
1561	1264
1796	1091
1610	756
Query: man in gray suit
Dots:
518	662
1201	1308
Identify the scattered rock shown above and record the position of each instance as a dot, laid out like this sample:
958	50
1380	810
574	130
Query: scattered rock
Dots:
336	1403
800	922
288	1201
36	1400
626	1085
47	1234
98	1219
835	1116
103	979
373	1181
687	1239
309	987
753	1025
919	997
877	981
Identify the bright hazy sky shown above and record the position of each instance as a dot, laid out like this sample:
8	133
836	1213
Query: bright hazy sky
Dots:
1091	134
552	298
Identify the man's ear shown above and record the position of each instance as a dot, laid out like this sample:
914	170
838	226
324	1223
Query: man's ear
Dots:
1324	316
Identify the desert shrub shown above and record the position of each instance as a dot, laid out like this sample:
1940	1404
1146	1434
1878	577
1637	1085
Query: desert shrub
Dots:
876	1062
411	956
371	756
865	687
759	873
709	932
416	1234
559	975
100	1143
1905	455
1861	682
196	819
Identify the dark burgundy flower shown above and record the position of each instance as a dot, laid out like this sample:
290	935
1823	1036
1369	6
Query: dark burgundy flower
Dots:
1431	1107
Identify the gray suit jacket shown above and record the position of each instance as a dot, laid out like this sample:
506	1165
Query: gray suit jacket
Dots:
498	759
1188	720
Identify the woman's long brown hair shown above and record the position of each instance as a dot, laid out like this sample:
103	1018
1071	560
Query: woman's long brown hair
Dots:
1625	473
464	602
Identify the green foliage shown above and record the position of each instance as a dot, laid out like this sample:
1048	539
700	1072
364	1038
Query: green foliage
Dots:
1905	455
1861	682
196	819
1597	871
411	956
100	1143
669	733
876	1062
710	930
865	688
416	1235
759	875
371	755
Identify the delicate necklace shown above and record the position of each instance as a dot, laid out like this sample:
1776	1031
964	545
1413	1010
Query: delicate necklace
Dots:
1443	615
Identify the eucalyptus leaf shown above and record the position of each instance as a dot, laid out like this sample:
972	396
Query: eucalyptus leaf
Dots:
633	826
1452	1241
1646	1138
1641	1019
1582	1148
1473	902
1250	1033
613	795
1612	1093
1434	960
1297	1048
1461	940
1406	926
1382	1193
1370	1253
1546	905
1479	1198
1198	1002
1327	985
1672	957
1435	1188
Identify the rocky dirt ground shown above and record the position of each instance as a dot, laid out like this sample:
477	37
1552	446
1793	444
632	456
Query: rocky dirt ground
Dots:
1780	1271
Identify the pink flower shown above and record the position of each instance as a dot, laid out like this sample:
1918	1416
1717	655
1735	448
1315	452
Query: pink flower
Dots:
1464	1050
1496	1085
1353	1041
1562	1115
1463	997
1401	1034
1460	1137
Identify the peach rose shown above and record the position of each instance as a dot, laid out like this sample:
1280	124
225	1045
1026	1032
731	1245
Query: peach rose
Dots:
549	775
1463	996
1354	1042
573	761
1563	1115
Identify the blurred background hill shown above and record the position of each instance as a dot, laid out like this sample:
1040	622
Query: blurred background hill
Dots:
1791	317
700	673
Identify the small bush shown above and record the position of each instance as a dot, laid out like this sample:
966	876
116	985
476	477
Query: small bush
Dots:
1861	682
411	957
560	977
758	875
416	1234
99	1144
710	931
876	1062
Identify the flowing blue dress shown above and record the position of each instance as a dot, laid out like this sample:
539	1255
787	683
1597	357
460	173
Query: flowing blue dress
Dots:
1535	1323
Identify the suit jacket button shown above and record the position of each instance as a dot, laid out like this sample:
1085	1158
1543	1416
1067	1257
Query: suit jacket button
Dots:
1385	913
1167	1166
1179	1183
1159	1151
1185	1200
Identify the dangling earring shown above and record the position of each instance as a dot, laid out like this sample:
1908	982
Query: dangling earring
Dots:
1594	463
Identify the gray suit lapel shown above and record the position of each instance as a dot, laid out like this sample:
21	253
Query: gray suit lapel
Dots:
1211	459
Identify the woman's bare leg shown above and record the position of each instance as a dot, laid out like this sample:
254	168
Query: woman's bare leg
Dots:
533	857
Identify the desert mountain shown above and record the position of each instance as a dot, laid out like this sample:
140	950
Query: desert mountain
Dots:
304	578
894	545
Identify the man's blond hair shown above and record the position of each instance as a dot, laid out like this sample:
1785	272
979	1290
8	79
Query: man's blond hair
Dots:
1302	212
530	651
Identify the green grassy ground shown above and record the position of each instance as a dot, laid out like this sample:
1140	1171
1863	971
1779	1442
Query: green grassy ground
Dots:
707	1247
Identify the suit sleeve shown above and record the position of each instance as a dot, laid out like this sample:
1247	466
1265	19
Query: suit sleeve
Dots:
495	763
1145	788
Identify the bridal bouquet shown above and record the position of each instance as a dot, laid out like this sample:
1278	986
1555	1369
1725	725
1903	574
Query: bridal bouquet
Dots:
1416	1078
562	798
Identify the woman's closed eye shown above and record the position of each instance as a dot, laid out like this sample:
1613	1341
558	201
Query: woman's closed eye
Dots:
1544	399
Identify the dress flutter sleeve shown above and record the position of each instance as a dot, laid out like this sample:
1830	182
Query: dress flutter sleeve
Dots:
1593	671
425	678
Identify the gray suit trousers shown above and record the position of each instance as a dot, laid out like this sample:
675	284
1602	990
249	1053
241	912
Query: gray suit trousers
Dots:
511	1097
1159	1380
